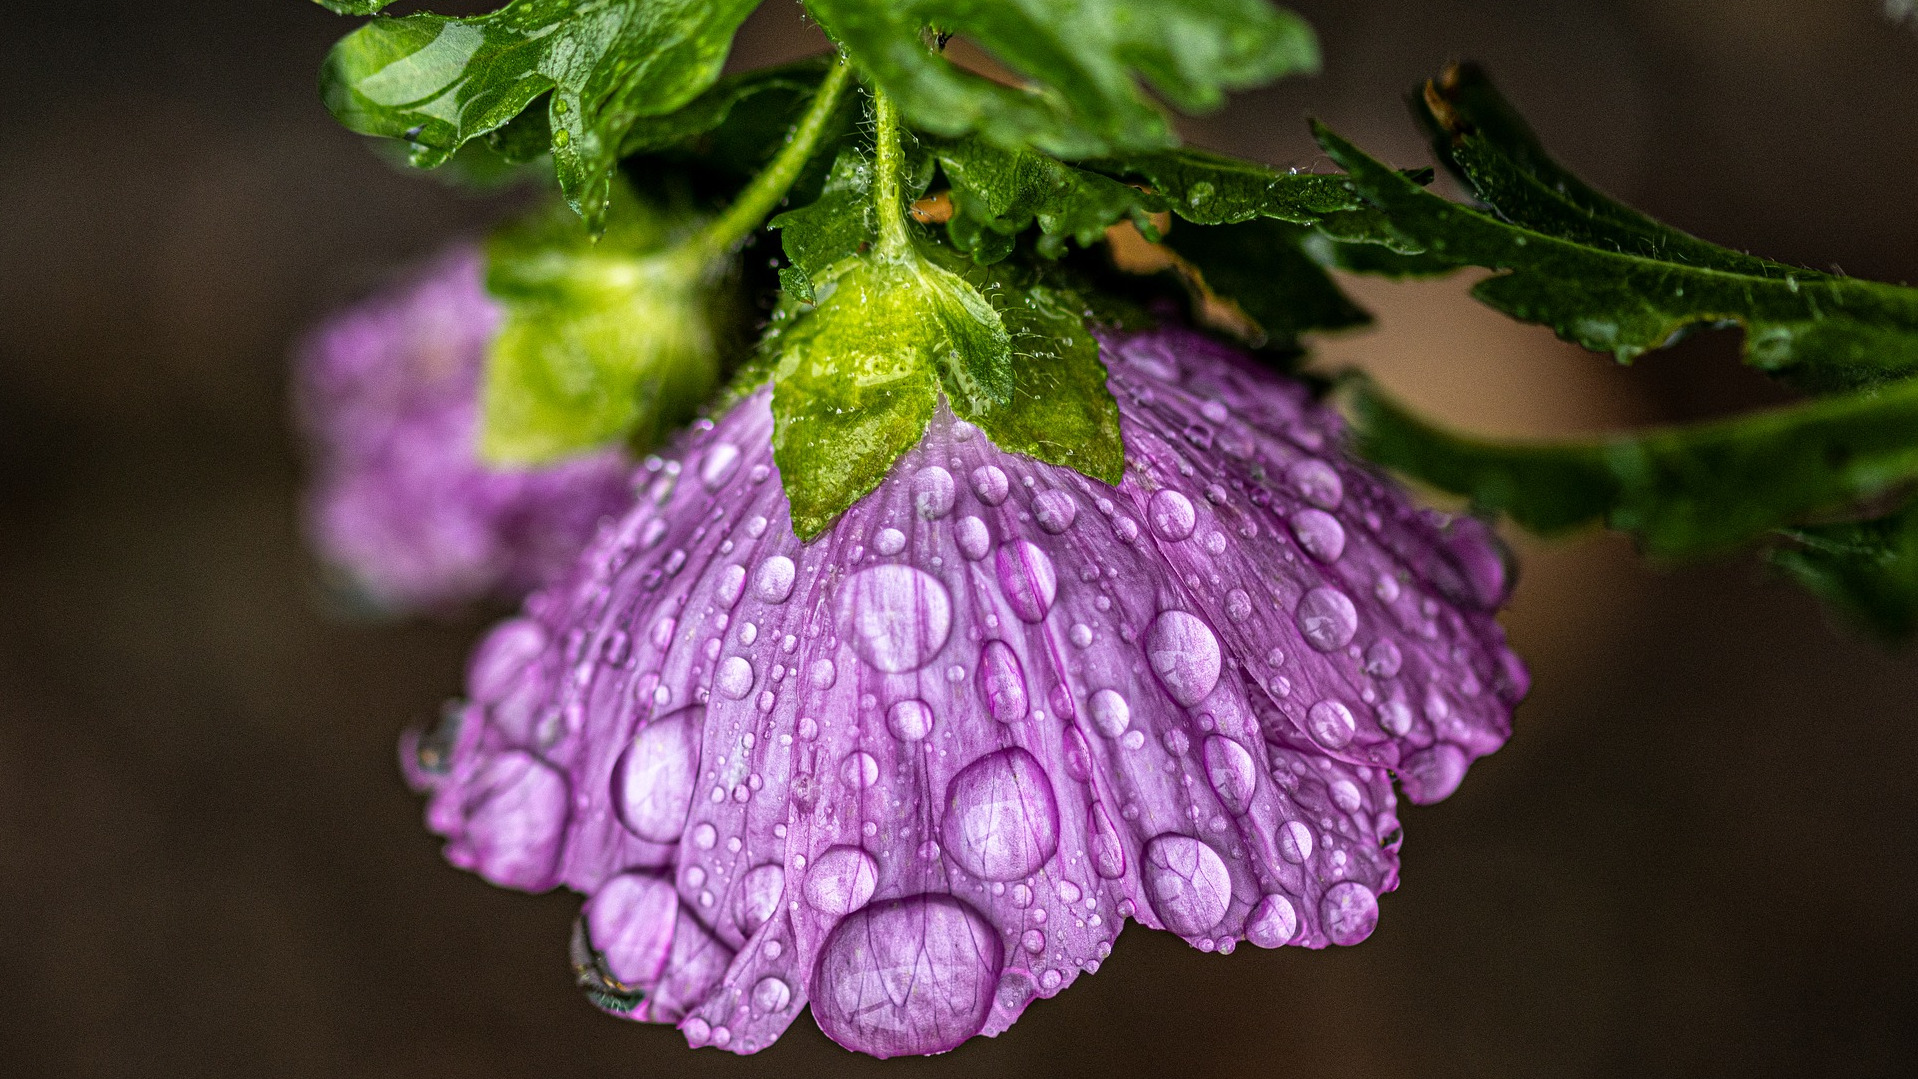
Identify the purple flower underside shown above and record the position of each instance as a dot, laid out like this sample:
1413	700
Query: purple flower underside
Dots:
400	506
921	771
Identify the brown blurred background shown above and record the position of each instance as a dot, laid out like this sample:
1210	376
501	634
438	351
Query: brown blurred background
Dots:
1699	855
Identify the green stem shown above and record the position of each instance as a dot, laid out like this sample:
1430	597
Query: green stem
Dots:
888	163
725	233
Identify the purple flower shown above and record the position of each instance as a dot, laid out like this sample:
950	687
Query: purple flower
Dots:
922	770
401	506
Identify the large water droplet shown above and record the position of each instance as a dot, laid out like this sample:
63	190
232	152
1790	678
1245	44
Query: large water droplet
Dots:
1433	773
1028	579
909	720
1273	923
1330	723
1003	682
1171	515
860	770
630	922
974	538
932	492
1319	533
907	976
1185	655
653	778
735	677
1187	883
1002	821
718	465
1350	911
771	994
732	584
1055	510
889	541
1108	852
1382	658
990	484
1231	771
775	580
758	897
1316	482
515	825
896	617
841	880
1295	842
1327	618
1109	712
1396	717
822	673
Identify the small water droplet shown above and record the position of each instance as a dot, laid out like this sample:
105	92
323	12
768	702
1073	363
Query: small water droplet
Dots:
932	492
909	720
1184	653
1187	883
1316	482
1319	534
989	482
859	770
1027	578
1273	923
1003	682
1171	515
735	677
1330	723
718	465
1231	771
841	880
889	541
1055	510
1327	618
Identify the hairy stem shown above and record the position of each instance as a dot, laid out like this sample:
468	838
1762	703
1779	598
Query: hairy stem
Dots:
888	163
730	229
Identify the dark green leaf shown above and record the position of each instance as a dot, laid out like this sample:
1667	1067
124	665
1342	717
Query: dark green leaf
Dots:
354	7
1683	490
1259	265
793	84
1868	569
998	194
1209	189
835	226
597	341
1599	276
1086	60
438	81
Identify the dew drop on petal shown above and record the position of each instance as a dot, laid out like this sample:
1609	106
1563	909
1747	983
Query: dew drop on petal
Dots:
907	976
1382	658
1327	618
1238	605
860	770
718	465
1027	578
653	778
1330	723
1350	912
990	484
775	580
1109	712
1273	923
732	584
758	897
705	836
1319	534
1171	515
932	492
889	542
1317	483
974	539
909	720
1055	510
896	617
1003	682
1230	770
771	994
629	920
1002	820
1102	836
1185	655
1435	772
822	673
735	677
1033	941
1186	882
1395	716
841	880
516	824
1078	756
1295	842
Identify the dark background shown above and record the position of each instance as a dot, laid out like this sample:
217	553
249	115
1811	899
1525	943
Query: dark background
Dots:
1696	857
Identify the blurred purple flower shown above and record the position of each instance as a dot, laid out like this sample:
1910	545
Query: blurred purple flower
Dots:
922	770
401	507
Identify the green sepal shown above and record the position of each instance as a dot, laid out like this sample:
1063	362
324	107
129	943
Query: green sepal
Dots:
1866	569
998	194
1084	62
840	222
598	342
1683	491
438	82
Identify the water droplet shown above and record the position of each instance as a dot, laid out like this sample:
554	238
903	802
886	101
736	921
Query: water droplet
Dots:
1109	712
1350	911
1238	605
1382	658
1395	716
1316	482
909	720
1080	635
718	465
1186	882
1171	515
1185	655
1273	923
932	492
1002	821
1108	852
896	617
735	677
705	836
499	660
775	580
1295	842
1327	618
1387	588
758	897
732	583
1003	682
1027	578
907	976
841	880
1055	510
629	921
990	484
1078	756
822	674
1330	723
974	539
1230	770
653	778
1050	980
1033	941
1319	533
1434	773
771	994
859	770
889	541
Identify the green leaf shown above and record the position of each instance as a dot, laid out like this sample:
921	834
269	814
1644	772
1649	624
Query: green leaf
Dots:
1614	281
791	84
837	225
1683	490
353	7
998	194
598	341
438	81
1867	569
1210	189
1083	61
1260	265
